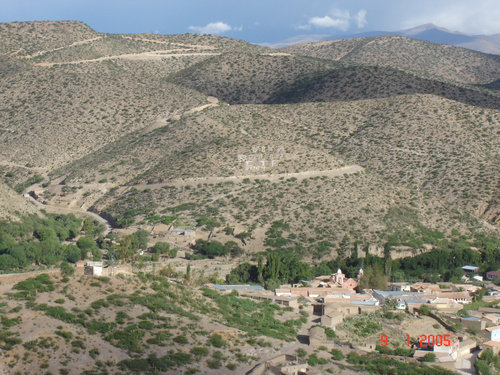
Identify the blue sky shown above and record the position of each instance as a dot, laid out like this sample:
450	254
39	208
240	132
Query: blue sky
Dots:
258	20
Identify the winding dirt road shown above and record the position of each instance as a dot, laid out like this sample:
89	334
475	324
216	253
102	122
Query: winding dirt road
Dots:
274	177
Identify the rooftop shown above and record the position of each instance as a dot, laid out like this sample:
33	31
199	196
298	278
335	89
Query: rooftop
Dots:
491	329
390	293
365	303
470	268
236	287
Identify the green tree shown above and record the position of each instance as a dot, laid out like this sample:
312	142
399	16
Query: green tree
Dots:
73	254
88	226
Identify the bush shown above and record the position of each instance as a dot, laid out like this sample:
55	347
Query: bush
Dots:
214	363
337	355
216	340
429	357
232	366
301	353
199	351
181	339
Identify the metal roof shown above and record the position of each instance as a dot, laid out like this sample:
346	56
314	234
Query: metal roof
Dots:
412	299
236	287
470	268
365	303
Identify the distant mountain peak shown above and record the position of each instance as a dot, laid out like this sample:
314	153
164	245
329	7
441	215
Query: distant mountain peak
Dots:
427	27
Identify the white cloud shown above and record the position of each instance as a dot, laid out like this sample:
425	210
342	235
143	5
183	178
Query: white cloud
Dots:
336	19
479	17
361	18
329	22
214	28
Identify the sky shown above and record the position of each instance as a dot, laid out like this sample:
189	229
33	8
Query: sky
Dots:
259	21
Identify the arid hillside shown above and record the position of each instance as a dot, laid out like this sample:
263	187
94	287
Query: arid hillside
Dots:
398	52
12	205
395	135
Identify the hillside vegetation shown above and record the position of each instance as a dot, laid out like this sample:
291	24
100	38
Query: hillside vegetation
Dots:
398	52
332	138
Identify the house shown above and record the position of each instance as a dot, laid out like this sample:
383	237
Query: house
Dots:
459	297
283	301
335	280
441	350
492	319
333	314
317	336
470	269
425	288
284	364
224	288
494	333
474	323
384	295
400	287
93	268
310	292
492	275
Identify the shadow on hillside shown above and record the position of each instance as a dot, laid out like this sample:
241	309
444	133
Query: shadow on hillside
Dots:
360	83
348	84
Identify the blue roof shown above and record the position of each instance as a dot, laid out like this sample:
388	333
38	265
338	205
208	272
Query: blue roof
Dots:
472	319
236	287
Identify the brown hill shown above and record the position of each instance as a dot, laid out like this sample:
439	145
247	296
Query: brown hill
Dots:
398	52
123	124
13	205
247	78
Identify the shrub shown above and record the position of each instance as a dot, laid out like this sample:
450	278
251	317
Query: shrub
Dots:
214	363
337	355
216	340
429	357
199	351
301	353
144	324
181	339
232	366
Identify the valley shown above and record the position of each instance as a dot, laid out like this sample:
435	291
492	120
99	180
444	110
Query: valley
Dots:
187	203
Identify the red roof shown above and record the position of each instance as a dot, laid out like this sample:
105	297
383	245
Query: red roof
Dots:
493	273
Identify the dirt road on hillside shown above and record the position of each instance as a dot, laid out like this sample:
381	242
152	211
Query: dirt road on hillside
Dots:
273	177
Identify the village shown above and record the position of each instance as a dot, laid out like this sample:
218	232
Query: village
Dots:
333	299
446	328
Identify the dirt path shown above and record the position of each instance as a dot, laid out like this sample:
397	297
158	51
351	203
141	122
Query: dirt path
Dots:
10	164
39	53
267	176
162	121
193	46
152	55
